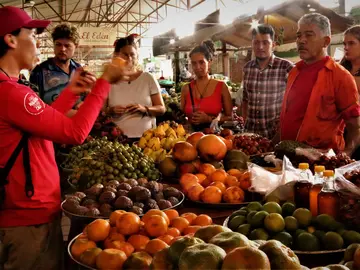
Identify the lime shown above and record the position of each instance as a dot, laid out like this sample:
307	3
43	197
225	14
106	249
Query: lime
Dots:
291	224
244	229
272	207
274	223
298	232
325	222
333	241
351	237
238	213
257	220
250	216
284	238
272	198
259	234
254	206
236	221
288	209
303	216
320	235
307	242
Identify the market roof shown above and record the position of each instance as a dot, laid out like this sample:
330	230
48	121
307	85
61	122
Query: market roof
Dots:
282	17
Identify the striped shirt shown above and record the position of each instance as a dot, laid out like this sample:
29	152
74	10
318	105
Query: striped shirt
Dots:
264	91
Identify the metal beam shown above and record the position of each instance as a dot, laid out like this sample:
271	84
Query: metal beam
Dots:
87	11
156	10
104	22
169	5
106	12
59	15
143	20
127	9
73	10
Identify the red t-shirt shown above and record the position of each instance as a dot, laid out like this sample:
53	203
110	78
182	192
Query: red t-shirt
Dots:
211	105
21	110
299	97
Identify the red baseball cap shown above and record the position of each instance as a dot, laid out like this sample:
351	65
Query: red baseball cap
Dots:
13	18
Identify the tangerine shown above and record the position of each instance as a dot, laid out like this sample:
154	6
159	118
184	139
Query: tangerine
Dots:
138	241
207	169
166	238
128	223
171	214
80	245
211	194
110	259
203	220
191	230
98	230
155	245
187	180
219	185
201	177
114	216
180	223
153	212
189	216
173	232
218	176
124	246
232	181
156	226
194	192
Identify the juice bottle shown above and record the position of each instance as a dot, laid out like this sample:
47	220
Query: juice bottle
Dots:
328	198
315	189
302	187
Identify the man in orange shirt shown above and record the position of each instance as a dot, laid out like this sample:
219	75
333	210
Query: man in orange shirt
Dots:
321	96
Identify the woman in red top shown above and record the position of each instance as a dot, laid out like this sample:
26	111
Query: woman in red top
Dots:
204	98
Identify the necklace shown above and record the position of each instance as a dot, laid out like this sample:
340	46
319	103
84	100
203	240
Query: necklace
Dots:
3	71
204	91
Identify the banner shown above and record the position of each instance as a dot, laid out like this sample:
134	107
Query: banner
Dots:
97	36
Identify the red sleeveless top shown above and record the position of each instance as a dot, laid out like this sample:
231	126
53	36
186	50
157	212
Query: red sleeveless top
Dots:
211	105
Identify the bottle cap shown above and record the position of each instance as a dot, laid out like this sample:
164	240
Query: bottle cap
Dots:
304	166
319	169
328	173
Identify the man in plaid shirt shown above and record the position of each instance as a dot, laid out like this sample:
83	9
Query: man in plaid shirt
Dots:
264	85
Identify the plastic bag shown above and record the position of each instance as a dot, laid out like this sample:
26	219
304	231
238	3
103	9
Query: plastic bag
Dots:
314	154
262	180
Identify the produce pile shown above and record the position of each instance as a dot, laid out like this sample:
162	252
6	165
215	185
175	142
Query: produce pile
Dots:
128	242
137	196
295	228
353	177
158	142
213	185
289	149
252	144
171	101
100	160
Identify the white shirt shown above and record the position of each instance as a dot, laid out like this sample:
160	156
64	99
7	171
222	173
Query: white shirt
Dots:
138	91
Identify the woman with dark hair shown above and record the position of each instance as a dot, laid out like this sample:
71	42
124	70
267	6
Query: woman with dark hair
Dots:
203	99
351	60
135	101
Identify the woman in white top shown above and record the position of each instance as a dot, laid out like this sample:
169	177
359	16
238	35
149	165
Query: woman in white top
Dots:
135	101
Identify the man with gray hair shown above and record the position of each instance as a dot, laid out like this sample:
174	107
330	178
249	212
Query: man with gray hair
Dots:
321	96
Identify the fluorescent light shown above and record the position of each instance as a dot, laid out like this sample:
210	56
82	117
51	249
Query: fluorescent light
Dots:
172	41
312	9
254	24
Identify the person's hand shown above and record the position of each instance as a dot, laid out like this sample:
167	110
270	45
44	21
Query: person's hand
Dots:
114	72
81	81
133	108
119	110
200	117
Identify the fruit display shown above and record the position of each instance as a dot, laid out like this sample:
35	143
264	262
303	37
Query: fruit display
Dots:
158	142
295	228
215	186
352	256
252	144
100	161
138	196
353	177
171	100
127	241
187	156
288	148
105	126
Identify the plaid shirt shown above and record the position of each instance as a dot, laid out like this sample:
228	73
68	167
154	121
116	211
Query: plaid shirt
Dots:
264	91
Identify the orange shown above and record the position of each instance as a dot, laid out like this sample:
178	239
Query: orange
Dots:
187	180
219	185
234	195
180	223
218	176
201	177
202	220
189	216
83	236
194	192
98	230
232	181
156	226
155	245
207	169
110	259
80	245
124	246
166	238
128	223
245	181
191	229
211	194
235	172
153	212
173	232
138	241
113	237
171	214
115	216
206	182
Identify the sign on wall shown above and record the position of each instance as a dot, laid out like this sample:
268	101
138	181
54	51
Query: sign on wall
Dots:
97	36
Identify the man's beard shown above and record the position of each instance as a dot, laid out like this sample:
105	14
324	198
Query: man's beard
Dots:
62	60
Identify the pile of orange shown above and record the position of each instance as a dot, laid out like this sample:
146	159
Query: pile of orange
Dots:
109	244
213	185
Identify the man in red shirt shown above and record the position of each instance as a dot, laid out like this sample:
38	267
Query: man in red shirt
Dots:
321	96
30	232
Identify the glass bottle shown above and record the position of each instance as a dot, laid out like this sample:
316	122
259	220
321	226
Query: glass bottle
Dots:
315	189
302	187
328	198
